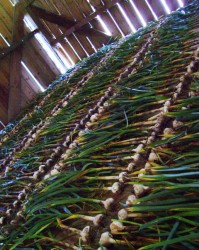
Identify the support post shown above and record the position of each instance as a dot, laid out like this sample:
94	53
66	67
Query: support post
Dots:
14	104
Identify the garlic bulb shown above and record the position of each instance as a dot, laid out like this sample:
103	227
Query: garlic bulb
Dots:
42	168
131	200
139	189
97	219
136	157
36	175
57	167
150	139
152	157
81	133
116	187
175	96
46	176
1	220
54	172
9	212
89	125
7	169
116	227
19	214
106	239
130	166
122	214
177	124
65	103
168	131
16	204
100	110
73	145
139	148
147	166
122	176
167	103
85	233
165	109
192	94
106	104
94	117
108	203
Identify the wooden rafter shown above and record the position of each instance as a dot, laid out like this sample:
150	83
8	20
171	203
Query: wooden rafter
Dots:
84	21
50	16
39	13
17	44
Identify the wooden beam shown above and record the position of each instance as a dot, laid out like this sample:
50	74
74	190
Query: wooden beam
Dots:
39	24
17	44
84	21
59	20
14	104
51	17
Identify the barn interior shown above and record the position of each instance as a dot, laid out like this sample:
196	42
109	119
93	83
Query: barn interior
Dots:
99	124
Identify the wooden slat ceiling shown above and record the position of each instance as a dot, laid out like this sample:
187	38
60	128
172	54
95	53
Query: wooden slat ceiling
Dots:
72	29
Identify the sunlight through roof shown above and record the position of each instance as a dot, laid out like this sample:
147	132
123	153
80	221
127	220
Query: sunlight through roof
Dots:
45	45
138	14
166	7
126	18
106	29
4	39
115	23
66	55
32	76
180	3
92	45
151	9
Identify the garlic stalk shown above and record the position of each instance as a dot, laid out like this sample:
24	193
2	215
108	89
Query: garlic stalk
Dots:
61	225
95	219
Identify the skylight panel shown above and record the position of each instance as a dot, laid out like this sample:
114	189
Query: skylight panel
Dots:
106	29
81	45
126	18
115	23
2	124
138	13
166	7
32	76
4	39
152	11
63	57
72	48
102	23
12	2
180	3
66	54
92	45
45	45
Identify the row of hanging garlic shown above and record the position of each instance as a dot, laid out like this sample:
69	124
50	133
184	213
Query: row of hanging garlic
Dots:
85	123
139	189
106	238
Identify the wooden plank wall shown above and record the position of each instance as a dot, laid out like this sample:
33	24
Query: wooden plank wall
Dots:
6	17
78	44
